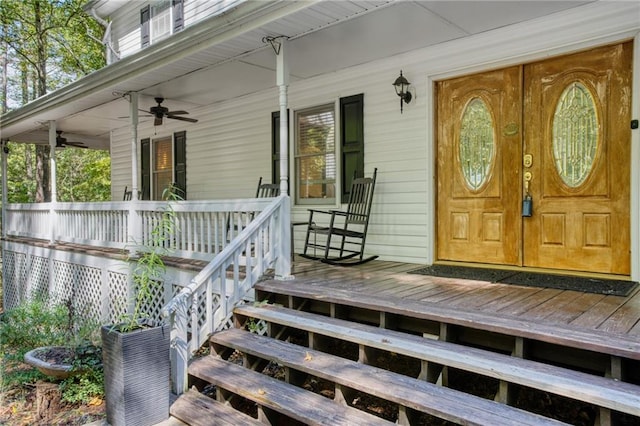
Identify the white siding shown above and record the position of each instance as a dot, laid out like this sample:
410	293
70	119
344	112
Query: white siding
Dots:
126	20
229	149
125	28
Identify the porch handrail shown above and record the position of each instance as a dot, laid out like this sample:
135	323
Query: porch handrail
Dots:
203	228
257	247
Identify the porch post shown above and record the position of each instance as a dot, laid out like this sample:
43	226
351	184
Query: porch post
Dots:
53	176
133	113
283	265
4	153
135	225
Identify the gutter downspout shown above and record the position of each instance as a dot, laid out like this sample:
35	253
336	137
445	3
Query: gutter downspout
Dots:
111	54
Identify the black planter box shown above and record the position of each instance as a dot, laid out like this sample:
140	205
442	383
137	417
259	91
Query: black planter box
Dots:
136	375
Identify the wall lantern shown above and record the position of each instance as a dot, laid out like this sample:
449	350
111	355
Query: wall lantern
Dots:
402	89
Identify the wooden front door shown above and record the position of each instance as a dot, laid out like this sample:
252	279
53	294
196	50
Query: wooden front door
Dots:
555	131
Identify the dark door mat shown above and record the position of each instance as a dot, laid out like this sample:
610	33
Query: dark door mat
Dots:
565	282
531	279
464	272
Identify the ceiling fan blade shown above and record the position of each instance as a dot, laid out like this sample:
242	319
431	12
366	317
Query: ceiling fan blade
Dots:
190	120
181	112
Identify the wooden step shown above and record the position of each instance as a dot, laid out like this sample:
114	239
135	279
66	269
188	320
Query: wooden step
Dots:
600	391
294	402
624	346
196	409
438	401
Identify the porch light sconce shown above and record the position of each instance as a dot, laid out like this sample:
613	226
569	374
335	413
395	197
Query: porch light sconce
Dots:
402	89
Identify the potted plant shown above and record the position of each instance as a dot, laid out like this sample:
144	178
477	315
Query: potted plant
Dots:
136	349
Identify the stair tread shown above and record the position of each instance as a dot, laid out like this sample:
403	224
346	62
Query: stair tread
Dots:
197	409
445	403
594	340
601	391
277	395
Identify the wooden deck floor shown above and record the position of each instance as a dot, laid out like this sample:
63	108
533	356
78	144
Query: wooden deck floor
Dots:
612	314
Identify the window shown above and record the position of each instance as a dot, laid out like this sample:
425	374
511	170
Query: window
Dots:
160	19
315	156
315	150
163	163
162	166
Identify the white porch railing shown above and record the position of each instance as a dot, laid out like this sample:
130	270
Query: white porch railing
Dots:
202	229
206	304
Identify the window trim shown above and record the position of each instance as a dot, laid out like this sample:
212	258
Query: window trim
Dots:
178	164
315	201
176	21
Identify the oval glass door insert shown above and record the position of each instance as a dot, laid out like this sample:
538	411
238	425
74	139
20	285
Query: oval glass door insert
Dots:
477	144
575	134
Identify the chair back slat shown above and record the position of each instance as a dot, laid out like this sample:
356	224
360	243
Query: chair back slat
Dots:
268	190
360	199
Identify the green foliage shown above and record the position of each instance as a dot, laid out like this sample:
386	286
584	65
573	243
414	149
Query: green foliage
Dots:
89	382
149	267
35	324
82	174
30	326
50	42
84	387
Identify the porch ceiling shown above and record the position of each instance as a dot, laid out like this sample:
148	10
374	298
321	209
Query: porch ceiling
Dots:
231	60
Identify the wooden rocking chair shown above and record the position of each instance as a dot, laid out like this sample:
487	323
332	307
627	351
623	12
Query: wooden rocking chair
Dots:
267	190
349	226
264	190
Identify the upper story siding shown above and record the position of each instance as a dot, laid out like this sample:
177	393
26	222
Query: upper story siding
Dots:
125	27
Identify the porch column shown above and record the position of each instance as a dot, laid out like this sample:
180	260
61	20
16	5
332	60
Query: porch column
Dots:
133	113
5	151
283	265
53	178
135	225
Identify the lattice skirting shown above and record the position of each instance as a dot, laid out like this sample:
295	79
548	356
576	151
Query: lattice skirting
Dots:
100	288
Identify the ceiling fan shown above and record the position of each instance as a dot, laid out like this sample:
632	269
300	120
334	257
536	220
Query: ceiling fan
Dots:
62	142
159	112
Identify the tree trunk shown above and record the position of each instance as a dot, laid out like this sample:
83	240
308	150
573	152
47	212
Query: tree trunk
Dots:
5	80
48	402
43	174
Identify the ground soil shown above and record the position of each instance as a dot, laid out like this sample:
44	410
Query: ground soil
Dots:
18	408
18	404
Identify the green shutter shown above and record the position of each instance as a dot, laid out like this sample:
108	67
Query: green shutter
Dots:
145	20
180	162
352	140
178	19
145	166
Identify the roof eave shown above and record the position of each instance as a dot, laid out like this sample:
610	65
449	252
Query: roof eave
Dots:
243	18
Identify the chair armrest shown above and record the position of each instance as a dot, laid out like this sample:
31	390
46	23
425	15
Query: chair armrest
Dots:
320	211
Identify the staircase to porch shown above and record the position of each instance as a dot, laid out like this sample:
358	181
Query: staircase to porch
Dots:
335	357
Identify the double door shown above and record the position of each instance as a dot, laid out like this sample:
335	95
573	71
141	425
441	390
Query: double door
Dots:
533	165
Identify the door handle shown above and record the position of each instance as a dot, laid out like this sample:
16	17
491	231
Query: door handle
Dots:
527	202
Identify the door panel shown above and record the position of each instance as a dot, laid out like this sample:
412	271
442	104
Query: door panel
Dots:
574	112
479	138
576	129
